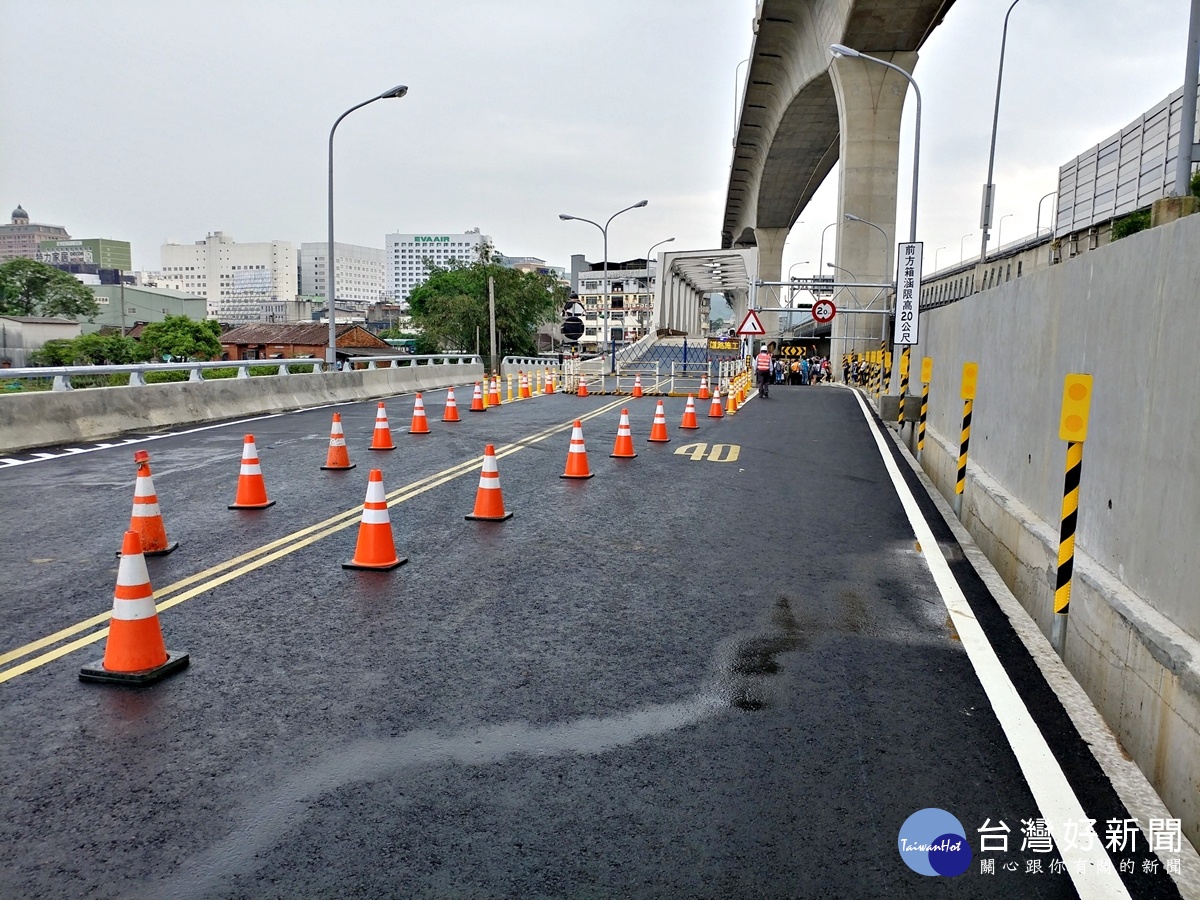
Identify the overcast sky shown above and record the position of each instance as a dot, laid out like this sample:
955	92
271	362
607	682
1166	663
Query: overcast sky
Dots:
153	121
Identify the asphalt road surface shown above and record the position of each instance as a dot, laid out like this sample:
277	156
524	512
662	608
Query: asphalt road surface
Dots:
722	669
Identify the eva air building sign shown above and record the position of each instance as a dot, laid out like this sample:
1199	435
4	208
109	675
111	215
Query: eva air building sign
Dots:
427	239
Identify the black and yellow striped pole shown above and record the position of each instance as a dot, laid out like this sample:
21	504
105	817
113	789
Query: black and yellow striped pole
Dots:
879	389
905	358
970	376
1072	428
887	371
926	377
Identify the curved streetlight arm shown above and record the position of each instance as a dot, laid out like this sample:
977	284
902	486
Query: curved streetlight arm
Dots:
1038	229
331	351
842	50
887	244
821	257
989	189
604	232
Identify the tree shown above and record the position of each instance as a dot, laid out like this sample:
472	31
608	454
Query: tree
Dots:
89	350
451	306
31	288
182	338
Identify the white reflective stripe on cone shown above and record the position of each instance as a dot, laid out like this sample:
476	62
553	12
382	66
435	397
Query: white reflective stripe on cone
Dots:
132	610
144	487
251	468
375	517
145	510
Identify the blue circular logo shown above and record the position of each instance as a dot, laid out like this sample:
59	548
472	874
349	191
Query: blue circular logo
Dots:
933	842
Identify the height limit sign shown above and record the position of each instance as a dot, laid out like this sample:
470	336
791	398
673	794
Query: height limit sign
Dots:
908	293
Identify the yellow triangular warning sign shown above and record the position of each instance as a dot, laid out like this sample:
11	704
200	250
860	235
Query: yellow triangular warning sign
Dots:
751	324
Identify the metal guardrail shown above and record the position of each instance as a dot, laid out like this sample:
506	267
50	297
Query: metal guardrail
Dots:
17	379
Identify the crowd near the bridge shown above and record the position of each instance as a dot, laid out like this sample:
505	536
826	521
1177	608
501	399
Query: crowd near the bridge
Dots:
807	371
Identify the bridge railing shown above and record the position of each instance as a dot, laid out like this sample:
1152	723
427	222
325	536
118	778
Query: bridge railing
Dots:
67	378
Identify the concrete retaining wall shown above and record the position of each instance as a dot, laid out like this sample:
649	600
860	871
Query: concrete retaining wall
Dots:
49	418
1129	315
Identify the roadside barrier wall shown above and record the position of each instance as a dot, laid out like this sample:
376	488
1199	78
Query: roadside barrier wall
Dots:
49	418
1128	315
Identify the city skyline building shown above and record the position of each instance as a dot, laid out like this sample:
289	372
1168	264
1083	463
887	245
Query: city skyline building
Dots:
359	272
21	239
407	254
245	282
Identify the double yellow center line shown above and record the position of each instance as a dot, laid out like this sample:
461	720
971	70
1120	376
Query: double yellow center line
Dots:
222	573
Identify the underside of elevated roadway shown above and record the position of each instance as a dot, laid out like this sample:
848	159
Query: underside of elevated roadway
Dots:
804	110
787	138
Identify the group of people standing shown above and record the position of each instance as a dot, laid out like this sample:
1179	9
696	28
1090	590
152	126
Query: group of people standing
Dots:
799	371
859	371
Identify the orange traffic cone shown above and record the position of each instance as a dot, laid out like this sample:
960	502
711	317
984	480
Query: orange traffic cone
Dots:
376	548
146	519
549	382
637	386
382	439
577	461
623	448
583	391
489	500
494	394
451	414
689	414
731	402
523	388
658	430
703	395
420	424
714	410
338	456
477	400
251	489
135	652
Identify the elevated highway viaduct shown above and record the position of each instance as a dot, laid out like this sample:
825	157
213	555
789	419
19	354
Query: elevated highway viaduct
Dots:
803	112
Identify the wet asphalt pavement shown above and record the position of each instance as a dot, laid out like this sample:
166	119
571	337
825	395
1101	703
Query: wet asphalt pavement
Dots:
680	678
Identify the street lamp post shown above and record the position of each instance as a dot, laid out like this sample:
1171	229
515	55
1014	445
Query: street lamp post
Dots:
792	291
989	189
1000	230
887	245
821	257
935	258
331	351
605	303
648	252
962	244
1038	230
736	116
842	50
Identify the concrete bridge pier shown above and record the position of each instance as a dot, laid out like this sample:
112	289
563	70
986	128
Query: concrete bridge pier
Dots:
770	268
870	101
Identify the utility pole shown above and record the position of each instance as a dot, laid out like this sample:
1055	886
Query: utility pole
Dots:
492	322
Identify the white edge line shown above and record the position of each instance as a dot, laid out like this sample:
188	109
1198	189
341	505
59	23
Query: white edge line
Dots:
1091	870
124	442
1130	783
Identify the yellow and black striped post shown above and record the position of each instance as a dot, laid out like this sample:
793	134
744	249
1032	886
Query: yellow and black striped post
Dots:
887	371
1072	428
926	377
905	357
879	383
970	376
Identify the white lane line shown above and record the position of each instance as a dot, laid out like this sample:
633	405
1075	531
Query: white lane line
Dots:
42	457
1091	870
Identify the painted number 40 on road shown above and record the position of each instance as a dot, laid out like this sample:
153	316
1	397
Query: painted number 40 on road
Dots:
718	453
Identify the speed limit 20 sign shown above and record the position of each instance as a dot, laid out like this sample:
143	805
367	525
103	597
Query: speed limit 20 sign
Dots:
823	311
